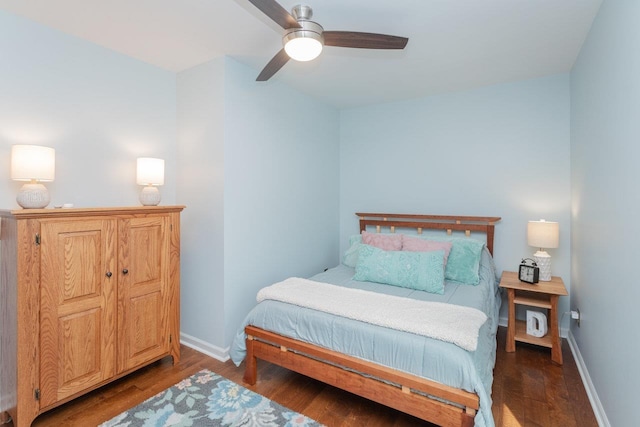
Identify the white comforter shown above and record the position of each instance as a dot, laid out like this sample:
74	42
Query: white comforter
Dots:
455	324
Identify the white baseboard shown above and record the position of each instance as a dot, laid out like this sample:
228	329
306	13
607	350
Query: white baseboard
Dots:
221	354
503	321
598	410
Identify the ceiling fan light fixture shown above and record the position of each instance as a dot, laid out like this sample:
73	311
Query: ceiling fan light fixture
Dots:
303	48
304	44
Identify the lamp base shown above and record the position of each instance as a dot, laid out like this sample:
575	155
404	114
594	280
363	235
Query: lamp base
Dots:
150	196
543	259
33	195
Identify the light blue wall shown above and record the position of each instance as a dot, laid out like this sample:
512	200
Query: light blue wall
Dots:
499	151
261	182
281	188
100	110
605	148
201	109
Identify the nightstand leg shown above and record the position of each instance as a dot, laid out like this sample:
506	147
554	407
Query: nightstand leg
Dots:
556	349
511	327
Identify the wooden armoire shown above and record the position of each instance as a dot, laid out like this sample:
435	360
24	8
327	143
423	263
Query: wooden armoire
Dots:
87	296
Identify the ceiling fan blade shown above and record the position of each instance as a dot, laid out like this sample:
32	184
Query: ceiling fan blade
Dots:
277	13
363	40
273	66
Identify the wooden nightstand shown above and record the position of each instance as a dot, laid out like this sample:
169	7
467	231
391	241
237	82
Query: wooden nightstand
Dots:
541	295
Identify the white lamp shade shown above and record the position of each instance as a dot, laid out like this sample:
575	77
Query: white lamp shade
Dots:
150	171
303	48
543	234
33	162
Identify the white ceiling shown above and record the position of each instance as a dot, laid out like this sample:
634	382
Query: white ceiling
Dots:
453	44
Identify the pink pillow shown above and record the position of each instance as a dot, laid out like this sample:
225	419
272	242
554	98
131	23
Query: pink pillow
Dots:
414	244
386	242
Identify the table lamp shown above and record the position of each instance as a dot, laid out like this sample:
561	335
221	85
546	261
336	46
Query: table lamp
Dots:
543	235
150	173
34	164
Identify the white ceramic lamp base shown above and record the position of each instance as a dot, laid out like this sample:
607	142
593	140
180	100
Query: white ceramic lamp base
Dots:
150	196
543	259
33	195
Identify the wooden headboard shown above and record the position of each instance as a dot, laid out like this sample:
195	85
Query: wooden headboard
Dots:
467	224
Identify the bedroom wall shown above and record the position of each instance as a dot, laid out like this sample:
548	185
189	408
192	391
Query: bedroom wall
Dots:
99	109
605	105
498	151
268	157
201	109
282	183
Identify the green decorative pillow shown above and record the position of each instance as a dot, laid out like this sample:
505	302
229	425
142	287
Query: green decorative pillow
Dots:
423	271
463	263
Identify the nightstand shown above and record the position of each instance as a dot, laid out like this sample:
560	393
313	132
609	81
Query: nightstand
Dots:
541	295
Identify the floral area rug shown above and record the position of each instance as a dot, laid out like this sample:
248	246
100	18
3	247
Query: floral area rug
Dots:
207	399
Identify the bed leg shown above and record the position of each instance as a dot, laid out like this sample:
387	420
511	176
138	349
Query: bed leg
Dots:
468	417
251	364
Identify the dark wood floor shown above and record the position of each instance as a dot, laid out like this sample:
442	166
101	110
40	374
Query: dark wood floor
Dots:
528	390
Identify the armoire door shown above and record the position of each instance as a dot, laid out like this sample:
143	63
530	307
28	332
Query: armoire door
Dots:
77	306
143	306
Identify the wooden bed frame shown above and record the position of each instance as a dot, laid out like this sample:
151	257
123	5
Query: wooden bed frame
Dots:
396	389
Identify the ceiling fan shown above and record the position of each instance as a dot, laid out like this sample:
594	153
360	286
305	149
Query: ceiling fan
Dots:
303	39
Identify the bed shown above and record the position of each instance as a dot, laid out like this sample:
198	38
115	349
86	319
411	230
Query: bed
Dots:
445	382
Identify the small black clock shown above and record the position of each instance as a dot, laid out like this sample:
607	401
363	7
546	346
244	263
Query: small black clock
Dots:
529	271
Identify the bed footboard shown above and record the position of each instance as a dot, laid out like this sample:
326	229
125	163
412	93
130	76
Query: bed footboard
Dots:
396	389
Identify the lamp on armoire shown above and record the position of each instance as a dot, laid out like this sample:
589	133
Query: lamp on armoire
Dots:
543	235
34	164
150	173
